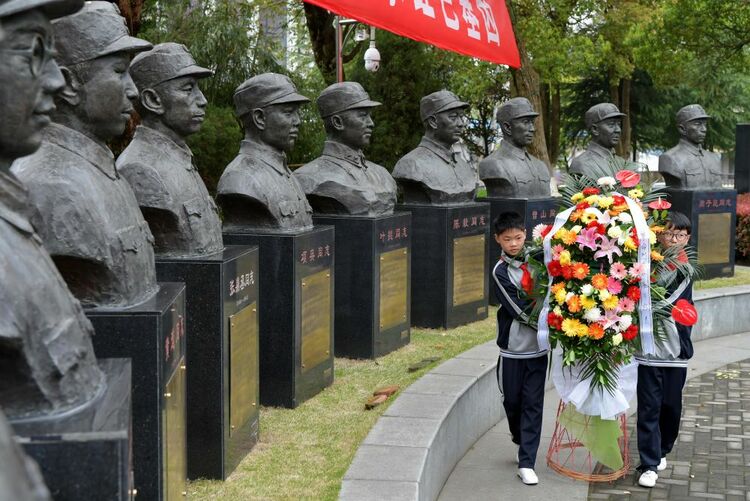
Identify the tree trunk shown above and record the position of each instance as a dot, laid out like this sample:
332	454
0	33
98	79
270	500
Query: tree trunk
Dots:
525	82
323	39
626	128
553	143
131	10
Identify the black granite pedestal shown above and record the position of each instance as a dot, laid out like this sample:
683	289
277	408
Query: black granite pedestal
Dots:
85	453
296	313
713	216
222	353
152	334
373	283
448	264
534	211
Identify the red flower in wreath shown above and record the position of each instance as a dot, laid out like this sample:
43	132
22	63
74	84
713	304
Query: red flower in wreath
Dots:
554	321
628	178
630	333
591	191
684	313
634	293
555	268
659	204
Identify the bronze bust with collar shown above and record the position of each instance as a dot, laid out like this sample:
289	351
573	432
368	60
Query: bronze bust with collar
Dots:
687	166
158	163
434	173
341	180
604	122
510	171
85	212
257	191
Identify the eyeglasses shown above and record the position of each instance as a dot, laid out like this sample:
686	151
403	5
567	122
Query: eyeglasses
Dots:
674	235
38	54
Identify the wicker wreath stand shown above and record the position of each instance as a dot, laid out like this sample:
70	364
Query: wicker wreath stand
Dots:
568	456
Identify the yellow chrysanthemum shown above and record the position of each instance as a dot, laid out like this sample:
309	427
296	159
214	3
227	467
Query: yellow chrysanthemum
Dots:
604	295
582	330
605	202
587	217
587	302
630	244
557	287
592	199
657	229
656	256
610	303
560	296
569	238
577	197
652	237
635	193
571	326
560	234
565	258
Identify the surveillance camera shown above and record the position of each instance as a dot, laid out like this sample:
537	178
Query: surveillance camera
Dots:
372	58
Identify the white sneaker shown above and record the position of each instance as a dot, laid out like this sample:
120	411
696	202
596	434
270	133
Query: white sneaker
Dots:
528	476
662	465
648	478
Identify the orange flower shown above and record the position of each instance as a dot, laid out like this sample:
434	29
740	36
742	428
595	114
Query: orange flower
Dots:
569	238
596	331
574	304
580	270
599	281
656	256
576	215
558	286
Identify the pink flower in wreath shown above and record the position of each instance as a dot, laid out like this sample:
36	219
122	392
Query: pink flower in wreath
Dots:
607	248
587	238
556	251
618	271
626	304
637	270
614	286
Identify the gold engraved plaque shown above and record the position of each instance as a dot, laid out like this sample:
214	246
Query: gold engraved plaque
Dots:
243	366
468	269
316	319
713	238
174	434
393	285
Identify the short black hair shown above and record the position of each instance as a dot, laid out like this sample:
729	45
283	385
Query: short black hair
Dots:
678	221
508	221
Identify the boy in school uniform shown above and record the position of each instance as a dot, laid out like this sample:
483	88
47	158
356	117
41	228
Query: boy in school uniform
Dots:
522	366
661	376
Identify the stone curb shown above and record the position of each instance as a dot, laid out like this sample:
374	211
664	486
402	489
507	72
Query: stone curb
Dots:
415	445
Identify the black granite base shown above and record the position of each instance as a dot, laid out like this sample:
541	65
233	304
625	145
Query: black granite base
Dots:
85	453
296	313
713	217
373	283
534	211
218	288
448	264
152	335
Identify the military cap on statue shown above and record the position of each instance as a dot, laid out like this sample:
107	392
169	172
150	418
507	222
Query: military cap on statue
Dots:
51	8
166	61
265	90
438	102
518	107
602	111
691	112
97	30
343	96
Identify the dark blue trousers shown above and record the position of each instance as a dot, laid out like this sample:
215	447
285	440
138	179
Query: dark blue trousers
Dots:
523	390
659	411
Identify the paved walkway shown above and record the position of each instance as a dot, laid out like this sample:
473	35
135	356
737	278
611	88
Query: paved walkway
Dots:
708	462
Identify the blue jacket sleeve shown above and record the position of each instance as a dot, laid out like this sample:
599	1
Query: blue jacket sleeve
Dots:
501	278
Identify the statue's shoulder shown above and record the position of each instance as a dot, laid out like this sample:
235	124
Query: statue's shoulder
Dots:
147	182
408	166
322	169
493	165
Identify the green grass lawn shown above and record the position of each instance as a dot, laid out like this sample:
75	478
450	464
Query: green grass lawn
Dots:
741	277
304	453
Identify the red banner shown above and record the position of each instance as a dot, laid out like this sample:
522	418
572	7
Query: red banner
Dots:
477	28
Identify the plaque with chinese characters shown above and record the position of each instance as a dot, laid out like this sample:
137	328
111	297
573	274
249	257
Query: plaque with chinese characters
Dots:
468	269
174	450
317	323
393	288
243	366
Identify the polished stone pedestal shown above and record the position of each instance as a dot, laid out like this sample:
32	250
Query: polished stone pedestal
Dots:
713	216
534	211
296	313
373	283
85	453
448	264
221	300
152	334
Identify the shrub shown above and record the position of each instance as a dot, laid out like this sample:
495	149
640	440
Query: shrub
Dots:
743	225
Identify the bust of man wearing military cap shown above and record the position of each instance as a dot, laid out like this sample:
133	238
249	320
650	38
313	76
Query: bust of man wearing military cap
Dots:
434	173
85	212
257	190
47	360
688	166
604	122
510	171
158	163
341	181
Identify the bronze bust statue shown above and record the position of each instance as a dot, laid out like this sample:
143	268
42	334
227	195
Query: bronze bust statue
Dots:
341	181
688	166
158	163
433	173
85	212
47	362
257	191
604	122
510	171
